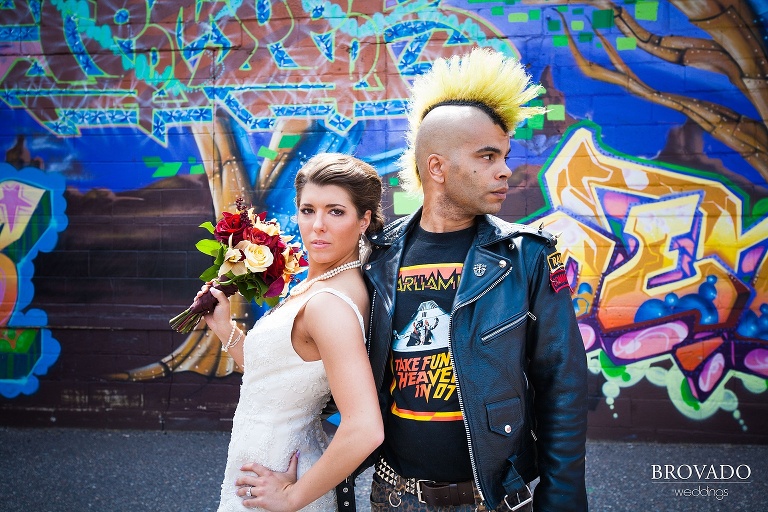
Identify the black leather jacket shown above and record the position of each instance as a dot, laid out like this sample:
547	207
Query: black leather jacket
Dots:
518	359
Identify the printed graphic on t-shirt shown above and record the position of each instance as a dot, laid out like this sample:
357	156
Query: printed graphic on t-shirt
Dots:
427	330
424	385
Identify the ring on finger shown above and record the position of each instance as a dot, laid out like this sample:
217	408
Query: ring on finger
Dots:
248	492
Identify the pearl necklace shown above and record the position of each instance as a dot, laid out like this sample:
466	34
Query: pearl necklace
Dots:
304	285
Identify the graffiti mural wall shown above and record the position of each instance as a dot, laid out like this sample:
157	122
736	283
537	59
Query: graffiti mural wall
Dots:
128	123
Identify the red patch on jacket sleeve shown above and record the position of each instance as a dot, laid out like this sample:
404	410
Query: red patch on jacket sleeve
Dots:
559	280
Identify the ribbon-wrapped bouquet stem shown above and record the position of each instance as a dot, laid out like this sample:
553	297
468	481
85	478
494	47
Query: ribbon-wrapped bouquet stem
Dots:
251	256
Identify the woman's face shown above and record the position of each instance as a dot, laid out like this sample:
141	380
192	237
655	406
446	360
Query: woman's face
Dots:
329	224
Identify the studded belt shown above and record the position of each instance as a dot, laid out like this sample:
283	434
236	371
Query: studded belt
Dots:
436	494
443	494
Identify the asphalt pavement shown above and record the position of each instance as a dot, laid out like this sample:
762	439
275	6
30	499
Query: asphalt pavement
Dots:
68	470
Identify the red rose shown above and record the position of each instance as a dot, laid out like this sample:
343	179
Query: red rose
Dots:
258	237
230	225
278	265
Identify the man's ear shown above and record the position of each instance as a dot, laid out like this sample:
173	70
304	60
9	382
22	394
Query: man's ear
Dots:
435	164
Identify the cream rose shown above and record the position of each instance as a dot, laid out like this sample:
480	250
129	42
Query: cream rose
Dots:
258	258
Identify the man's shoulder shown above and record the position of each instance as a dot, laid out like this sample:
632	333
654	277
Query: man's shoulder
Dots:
502	229
490	229
391	231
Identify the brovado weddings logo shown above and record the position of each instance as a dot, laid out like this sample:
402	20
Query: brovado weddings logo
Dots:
702	480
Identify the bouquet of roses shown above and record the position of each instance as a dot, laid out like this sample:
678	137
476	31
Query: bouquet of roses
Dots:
252	257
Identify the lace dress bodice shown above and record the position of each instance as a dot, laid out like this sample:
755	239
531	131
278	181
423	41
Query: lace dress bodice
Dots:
281	398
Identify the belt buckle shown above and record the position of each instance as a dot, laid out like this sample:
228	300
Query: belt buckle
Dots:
520	503
418	489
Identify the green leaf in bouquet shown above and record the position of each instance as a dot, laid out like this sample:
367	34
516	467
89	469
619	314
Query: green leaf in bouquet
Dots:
209	247
259	284
248	293
272	301
220	256
208	226
229	277
210	273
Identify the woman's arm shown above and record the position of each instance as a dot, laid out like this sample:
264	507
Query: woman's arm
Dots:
342	349
220	322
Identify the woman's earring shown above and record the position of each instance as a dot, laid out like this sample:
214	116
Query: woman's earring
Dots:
365	248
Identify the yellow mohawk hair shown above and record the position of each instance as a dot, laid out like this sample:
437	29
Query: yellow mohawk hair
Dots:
486	78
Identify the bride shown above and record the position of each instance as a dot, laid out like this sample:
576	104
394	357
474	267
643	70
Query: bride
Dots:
310	346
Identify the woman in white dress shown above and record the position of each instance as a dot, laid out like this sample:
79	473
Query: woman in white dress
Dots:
309	347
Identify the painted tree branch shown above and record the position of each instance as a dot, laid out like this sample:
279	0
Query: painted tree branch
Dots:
731	24
736	49
747	137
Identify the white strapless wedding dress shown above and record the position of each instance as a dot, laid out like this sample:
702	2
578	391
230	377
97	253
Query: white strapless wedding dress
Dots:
281	397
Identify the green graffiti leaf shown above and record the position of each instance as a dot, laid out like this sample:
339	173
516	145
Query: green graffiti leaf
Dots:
612	370
554	25
688	398
289	141
760	210
602	18
167	169
265	152
647	11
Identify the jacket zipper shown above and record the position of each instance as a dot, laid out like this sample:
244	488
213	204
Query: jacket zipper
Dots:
370	325
527	386
458	388
509	326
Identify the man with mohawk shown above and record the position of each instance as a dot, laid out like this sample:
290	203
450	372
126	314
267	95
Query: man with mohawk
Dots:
497	397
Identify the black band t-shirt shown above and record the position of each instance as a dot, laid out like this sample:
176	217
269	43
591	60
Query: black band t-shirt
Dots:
424	429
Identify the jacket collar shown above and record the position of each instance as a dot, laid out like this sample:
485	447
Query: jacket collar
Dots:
484	266
490	229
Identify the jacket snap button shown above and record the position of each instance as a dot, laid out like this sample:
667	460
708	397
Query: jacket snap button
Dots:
507	429
512	246
502	263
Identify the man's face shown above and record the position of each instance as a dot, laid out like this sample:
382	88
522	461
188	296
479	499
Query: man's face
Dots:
476	171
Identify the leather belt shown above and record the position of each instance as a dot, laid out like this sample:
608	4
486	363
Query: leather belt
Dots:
436	494
444	494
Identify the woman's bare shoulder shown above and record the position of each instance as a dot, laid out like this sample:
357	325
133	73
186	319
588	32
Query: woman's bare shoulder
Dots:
350	285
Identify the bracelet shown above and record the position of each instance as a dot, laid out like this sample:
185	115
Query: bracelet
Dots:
232	332
240	336
230	343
